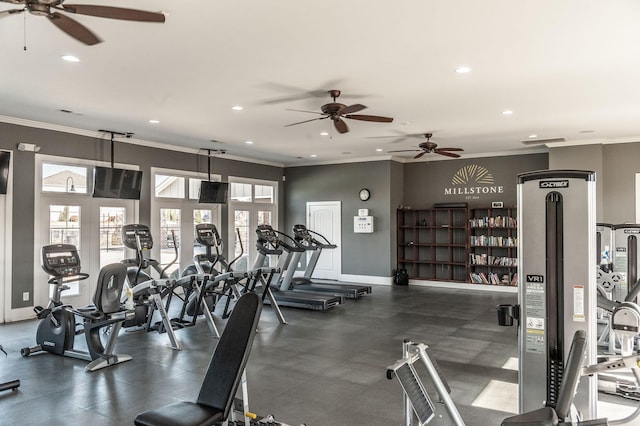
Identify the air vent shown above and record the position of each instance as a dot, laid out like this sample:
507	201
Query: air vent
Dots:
542	141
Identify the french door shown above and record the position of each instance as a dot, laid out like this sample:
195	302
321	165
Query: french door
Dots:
251	203
68	214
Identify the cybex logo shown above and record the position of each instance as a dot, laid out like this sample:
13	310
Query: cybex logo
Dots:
535	278
632	231
554	184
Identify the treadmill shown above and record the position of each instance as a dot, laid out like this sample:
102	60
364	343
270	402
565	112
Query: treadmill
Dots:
307	240
270	243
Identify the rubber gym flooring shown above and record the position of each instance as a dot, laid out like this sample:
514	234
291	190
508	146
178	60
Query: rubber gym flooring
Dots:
323	368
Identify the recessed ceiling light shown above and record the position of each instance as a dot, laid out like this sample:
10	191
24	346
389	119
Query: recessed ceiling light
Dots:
463	70
237	108
313	156
249	142
507	112
71	58
154	121
324	133
379	149
533	135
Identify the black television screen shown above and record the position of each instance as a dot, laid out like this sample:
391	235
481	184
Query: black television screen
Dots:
5	158
213	192
117	183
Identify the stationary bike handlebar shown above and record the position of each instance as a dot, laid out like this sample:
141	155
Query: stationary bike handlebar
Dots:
70	279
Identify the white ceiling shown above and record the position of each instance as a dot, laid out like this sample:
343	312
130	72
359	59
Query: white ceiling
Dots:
564	68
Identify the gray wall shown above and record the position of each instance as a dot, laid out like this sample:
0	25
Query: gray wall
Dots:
585	157
362	254
425	183
75	146
615	166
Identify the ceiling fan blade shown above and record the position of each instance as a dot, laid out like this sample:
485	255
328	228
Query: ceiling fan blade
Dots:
341	126
302	110
375	118
405	150
448	154
305	121
450	149
420	155
74	28
113	12
351	108
10	12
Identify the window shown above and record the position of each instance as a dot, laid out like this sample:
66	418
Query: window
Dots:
111	246
194	188
169	186
200	216
264	194
241	192
64	178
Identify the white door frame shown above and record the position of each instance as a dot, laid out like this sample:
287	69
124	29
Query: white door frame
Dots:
336	239
6	211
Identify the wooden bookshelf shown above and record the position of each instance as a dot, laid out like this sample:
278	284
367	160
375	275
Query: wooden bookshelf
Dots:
433	243
493	242
474	245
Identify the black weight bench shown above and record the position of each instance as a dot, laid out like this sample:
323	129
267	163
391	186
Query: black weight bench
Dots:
223	376
552	416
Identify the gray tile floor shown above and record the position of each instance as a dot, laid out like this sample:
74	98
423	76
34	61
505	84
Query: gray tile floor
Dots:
323	368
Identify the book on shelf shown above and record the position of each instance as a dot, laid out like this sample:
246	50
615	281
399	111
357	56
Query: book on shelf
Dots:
493	278
493	222
493	241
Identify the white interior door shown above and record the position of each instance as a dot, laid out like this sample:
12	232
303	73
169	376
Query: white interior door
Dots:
324	218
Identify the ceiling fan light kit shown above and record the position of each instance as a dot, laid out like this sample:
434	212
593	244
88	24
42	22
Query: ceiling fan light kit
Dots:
52	8
337	111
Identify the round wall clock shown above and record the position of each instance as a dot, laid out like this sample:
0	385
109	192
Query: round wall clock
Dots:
364	194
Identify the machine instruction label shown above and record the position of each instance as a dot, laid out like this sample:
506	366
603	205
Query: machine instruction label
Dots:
578	303
535	314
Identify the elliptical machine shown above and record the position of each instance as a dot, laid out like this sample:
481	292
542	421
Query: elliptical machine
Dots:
57	329
148	293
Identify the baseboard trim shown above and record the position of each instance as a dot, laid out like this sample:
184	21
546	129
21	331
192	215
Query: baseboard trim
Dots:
366	279
464	286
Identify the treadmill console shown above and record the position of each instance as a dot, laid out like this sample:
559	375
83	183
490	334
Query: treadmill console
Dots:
129	233
301	233
207	235
60	260
268	235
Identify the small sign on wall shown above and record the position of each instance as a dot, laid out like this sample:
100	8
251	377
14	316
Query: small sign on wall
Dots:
363	224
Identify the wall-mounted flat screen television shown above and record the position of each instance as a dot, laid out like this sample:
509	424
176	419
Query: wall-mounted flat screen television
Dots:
5	159
117	183
213	192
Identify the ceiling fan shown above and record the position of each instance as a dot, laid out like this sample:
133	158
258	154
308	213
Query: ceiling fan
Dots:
337	111
429	147
50	8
